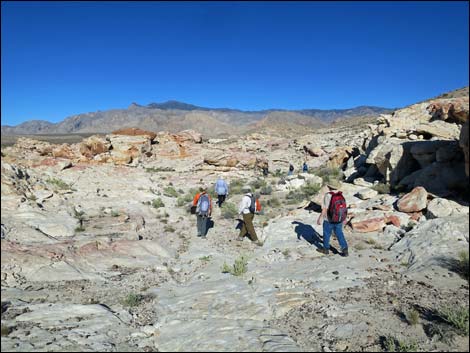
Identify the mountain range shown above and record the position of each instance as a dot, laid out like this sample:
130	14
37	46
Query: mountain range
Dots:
175	116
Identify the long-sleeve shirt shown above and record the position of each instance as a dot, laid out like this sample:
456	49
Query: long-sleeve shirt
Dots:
245	203
221	187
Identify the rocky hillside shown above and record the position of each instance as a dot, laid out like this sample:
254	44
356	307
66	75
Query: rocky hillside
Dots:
175	116
99	250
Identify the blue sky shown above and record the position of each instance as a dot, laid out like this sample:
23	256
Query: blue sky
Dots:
64	58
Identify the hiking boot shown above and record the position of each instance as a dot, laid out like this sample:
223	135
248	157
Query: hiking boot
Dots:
323	251
259	243
345	252
240	238
203	237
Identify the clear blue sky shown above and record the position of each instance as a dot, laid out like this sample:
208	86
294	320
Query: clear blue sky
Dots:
65	58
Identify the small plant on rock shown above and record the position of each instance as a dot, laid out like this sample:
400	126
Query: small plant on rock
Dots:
229	210
157	203
132	299
239	267
457	317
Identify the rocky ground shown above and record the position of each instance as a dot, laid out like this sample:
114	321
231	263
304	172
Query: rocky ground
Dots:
99	251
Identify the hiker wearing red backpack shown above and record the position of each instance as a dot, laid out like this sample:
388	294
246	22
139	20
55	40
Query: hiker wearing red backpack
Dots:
203	204
333	213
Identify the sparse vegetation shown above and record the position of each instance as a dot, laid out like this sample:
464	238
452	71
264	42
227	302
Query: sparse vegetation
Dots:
329	174
273	202
310	189
79	229
157	203
159	169
229	210
412	316
132	299
266	190
382	188
5	330
239	267
457	317
115	213
205	258
58	183
463	265
169	229
236	185
392	344
170	192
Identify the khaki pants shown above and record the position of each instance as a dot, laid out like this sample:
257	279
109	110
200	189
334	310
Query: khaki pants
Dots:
248	227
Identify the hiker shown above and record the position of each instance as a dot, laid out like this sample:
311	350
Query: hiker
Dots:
305	168
203	204
265	170
334	215
221	188
291	170
248	206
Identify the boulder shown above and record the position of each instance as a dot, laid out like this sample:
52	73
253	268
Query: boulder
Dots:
440	207
368	222
366	194
93	146
414	201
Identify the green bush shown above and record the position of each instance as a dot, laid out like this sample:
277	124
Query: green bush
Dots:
59	184
329	174
169	229
236	185
157	203
412	316
266	190
392	344
229	210
310	189
273	202
132	300
258	183
463	265
170	192
239	267
456	316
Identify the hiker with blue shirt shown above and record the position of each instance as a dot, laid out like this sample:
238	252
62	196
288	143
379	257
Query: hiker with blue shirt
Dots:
221	189
305	168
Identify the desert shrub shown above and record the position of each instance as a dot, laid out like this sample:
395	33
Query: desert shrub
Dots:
229	210
463	265
170	192
310	189
456	316
382	188
5	330
132	299
329	174
159	169
157	203
205	258
236	185
295	196
266	190
258	183
392	344
114	213
239	267
58	183
412	316
273	202
169	229
79	229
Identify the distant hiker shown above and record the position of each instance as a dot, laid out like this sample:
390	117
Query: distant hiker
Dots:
305	168
265	171
291	170
203	204
221	189
333	213
248	206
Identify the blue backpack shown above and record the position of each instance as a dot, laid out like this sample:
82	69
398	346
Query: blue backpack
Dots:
203	205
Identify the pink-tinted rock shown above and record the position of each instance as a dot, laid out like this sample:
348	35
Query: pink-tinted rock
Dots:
392	220
414	201
132	131
368	222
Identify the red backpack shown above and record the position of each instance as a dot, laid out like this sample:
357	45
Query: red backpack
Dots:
337	210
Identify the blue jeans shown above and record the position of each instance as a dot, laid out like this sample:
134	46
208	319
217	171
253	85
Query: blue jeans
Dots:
338	229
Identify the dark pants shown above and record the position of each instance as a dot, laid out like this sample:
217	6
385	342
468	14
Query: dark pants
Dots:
221	199
248	227
201	226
